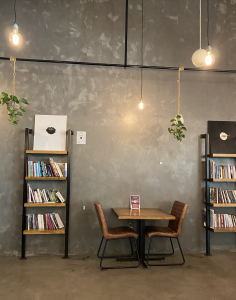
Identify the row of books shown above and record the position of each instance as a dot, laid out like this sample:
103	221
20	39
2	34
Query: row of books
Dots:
41	169
220	220
43	196
50	221
218	195
222	171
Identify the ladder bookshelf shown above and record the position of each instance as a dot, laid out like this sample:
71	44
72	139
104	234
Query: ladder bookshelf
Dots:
66	205
208	180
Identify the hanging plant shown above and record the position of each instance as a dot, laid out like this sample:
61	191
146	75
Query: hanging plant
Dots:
177	127
14	107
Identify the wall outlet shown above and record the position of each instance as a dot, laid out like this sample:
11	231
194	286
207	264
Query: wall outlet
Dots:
81	137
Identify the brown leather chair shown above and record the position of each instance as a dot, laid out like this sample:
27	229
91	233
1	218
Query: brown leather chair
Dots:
113	234
173	230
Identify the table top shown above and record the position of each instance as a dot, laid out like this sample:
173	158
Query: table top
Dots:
142	214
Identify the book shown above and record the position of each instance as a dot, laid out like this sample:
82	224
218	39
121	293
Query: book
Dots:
53	167
61	198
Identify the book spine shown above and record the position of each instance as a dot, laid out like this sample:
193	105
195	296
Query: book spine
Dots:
65	170
60	197
53	167
58	169
59	221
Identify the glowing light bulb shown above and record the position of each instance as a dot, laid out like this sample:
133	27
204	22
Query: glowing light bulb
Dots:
141	104
15	38
210	58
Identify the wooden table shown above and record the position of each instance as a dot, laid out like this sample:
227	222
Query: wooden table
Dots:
141	215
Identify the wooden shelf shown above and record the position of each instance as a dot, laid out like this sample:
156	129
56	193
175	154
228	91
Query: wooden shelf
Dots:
222	180
222	155
46	231
45	152
45	178
223	204
223	229
44	204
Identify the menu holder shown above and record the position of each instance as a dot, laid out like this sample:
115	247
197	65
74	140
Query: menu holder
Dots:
135	202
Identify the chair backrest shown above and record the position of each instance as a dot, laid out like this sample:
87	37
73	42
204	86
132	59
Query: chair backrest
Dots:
101	218
179	210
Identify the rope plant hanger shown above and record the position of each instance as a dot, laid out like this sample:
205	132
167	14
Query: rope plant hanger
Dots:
14	108
177	126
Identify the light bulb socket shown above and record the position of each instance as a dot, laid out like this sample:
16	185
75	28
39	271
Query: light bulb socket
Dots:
208	49
15	27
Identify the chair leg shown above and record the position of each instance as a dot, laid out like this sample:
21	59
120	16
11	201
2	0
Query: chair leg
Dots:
115	256
155	254
179	264
122	267
100	248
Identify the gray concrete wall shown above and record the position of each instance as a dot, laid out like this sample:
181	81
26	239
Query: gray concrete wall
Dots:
124	144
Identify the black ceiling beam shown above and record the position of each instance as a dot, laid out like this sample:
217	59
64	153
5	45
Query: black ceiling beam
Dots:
68	62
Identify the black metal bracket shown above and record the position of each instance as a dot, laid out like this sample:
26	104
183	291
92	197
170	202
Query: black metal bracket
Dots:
207	193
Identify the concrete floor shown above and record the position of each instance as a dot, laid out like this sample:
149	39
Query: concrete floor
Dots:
53	278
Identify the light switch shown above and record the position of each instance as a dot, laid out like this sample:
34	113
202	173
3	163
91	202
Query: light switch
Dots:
81	137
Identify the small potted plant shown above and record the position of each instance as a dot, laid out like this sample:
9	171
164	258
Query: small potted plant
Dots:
14	107
177	128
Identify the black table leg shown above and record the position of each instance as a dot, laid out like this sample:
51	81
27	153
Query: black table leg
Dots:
141	241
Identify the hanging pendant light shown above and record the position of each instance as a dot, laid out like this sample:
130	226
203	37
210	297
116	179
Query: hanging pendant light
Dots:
210	57
198	57
141	101
15	38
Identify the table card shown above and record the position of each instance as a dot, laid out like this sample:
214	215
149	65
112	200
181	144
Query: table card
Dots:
135	202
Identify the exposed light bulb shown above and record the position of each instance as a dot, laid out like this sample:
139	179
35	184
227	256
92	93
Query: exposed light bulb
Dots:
210	57
15	38
141	104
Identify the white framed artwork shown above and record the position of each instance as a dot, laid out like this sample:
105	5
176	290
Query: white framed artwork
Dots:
50	132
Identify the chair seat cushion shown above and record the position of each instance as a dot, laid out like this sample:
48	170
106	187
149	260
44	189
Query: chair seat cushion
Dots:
160	231
121	232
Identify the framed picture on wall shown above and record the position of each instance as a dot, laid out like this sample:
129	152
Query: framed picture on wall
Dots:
135	202
50	132
222	136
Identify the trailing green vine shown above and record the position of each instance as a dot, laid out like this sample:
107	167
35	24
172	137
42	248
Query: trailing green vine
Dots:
177	128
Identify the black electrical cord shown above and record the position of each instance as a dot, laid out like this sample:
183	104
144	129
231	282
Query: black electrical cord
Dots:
15	10
142	56
208	21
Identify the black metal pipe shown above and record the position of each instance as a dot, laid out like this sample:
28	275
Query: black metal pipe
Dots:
126	30
116	65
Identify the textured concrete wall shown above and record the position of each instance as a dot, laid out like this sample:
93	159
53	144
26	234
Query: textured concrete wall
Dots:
124	145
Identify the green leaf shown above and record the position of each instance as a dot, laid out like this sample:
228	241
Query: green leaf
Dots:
24	101
184	128
22	108
10	108
12	116
4	94
173	124
5	100
16	122
172	120
178	116
19	113
15	99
